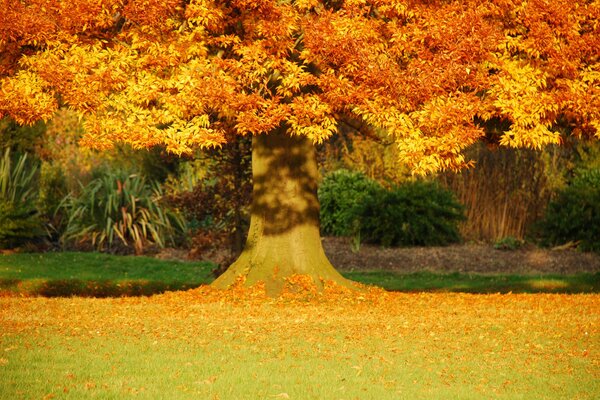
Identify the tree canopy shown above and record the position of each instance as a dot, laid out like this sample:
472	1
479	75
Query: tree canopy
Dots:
196	73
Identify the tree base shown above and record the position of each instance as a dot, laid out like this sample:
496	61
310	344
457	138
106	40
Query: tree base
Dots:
277	260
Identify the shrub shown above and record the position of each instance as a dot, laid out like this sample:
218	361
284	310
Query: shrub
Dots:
341	194
414	214
119	210
52	191
574	216
19	219
21	139
508	243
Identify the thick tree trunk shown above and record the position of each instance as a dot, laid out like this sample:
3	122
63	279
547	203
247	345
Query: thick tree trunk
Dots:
284	238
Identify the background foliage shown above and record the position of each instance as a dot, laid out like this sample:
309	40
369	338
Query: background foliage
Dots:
504	194
214	193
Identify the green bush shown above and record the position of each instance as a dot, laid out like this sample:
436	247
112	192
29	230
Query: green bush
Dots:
21	139
52	191
118	211
340	194
20	221
574	216
414	214
508	243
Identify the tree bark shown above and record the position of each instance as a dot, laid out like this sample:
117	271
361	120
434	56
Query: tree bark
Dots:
283	239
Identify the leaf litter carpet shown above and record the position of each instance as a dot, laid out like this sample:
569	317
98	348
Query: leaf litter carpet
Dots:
414	344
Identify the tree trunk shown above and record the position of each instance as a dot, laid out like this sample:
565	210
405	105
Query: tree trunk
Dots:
283	238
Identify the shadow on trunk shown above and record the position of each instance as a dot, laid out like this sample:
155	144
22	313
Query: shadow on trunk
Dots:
283	239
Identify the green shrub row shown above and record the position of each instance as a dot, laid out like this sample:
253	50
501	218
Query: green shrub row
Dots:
416	213
574	215
341	195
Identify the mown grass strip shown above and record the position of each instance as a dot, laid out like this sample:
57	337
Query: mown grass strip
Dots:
479	283
104	275
97	275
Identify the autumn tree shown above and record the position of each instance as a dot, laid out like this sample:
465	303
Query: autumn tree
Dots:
187	74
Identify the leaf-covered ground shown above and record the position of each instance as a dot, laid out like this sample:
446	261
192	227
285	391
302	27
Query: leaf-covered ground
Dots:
240	345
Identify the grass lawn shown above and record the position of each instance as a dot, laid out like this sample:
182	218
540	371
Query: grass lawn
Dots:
102	275
479	283
394	346
97	274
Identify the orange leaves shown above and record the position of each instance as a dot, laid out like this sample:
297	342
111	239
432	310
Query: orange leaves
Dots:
539	64
297	289
149	72
36	22
339	41
151	13
259	115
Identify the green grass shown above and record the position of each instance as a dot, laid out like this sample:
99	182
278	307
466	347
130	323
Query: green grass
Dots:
479	283
97	274
104	275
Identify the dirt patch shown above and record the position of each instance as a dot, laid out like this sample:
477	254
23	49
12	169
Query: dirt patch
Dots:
476	258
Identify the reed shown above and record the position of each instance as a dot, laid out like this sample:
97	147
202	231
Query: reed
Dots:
506	191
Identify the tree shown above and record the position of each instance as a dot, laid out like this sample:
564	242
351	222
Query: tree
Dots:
187	73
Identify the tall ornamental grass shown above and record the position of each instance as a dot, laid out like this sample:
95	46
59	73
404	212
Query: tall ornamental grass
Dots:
20	221
117	212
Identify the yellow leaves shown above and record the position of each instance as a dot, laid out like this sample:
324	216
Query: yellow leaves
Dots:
395	9
431	138
292	78
519	94
374	113
26	98
205	13
255	66
427	155
311	117
305	5
535	136
182	137
591	74
139	128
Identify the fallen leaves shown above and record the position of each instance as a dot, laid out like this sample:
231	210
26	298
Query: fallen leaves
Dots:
387	339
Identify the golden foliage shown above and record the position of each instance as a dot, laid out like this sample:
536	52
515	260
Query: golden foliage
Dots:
183	74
